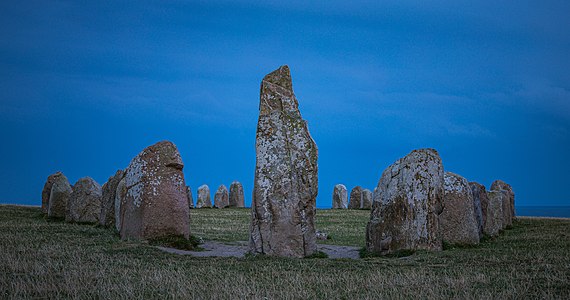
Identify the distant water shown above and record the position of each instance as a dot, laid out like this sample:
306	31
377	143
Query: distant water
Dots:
543	211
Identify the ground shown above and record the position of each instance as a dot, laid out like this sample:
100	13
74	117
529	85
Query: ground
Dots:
40	258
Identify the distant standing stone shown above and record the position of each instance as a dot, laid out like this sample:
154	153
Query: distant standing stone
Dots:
221	198
340	197
156	203
406	207
204	200
236	195
120	203
84	205
481	202
366	199
458	222
46	191
190	198
495	218
286	184
355	198
59	196
107	216
509	204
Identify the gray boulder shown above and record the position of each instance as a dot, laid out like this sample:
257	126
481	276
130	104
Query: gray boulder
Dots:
355	198
120	203
107	215
340	198
221	198
481	202
190	198
509	203
286	184
236	195
84	205
59	196
366	199
458	222
46	191
204	200
494	222
407	203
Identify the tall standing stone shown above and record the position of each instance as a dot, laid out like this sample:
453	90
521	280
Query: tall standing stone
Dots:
120	203
190	198
481	202
286	184
236	195
204	200
355	198
221	198
340	197
107	215
366	199
494	222
59	196
156	203
46	191
84	205
407	203
509	204
458	222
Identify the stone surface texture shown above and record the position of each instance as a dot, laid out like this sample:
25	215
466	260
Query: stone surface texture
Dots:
204	200
340	197
107	215
494	219
84	205
236	195
120	201
407	204
156	204
481	202
366	199
222	197
286	181
46	191
59	196
458	221
509	204
355	198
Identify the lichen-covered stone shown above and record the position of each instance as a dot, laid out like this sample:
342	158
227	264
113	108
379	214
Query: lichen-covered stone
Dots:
204	200
340	197
494	219
107	215
84	204
156	204
366	199
355	198
221	198
46	191
481	202
120	203
236	195
190	198
457	221
59	196
407	203
286	184
509	204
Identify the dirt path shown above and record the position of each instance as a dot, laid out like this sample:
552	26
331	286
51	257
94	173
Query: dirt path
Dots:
238	249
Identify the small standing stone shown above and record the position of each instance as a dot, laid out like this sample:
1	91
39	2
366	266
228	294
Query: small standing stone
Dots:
236	195
221	198
509	203
59	196
495	218
190	198
107	216
340	198
46	191
366	199
120	203
84	205
481	202
204	200
355	198
458	221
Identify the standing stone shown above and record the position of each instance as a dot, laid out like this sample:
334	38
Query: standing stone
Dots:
355	198
481	202
59	196
366	199
494	220
190	198
509	205
286	184
107	215
236	195
156	203
120	203
204	200
221	198
458	222
406	207
46	191
340	199
84	205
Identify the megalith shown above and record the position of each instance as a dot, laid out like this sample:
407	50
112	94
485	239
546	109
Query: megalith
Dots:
366	199
355	198
107	215
46	191
481	202
221	198
84	204
236	195
59	196
340	197
509	202
458	221
204	200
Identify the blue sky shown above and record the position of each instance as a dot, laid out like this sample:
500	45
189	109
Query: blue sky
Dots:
86	86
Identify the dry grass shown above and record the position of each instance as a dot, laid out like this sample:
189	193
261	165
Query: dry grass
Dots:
41	259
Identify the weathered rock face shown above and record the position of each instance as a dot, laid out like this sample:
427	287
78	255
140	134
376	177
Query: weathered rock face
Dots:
204	200
509	204
107	215
190	198
120	203
156	204
366	199
407	203
46	191
355	198
221	198
286	184
59	196
236	195
340	197
481	202
494	219
84	205
458	222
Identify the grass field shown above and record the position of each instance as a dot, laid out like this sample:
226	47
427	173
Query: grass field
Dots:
47	259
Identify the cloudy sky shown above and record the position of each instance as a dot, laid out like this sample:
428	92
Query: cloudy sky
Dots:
86	86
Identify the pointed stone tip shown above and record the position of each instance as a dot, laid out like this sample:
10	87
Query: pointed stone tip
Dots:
280	77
